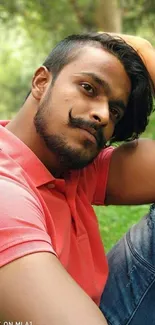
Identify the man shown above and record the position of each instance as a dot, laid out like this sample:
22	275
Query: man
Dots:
54	164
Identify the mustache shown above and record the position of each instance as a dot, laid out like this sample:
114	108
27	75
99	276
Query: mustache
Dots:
77	122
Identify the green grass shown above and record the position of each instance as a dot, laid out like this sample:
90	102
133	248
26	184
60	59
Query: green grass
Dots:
115	221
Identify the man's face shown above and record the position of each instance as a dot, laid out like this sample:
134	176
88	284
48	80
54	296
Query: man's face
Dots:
78	114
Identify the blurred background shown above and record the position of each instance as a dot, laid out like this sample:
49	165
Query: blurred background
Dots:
28	31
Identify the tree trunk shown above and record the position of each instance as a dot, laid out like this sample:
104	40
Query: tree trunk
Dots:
108	16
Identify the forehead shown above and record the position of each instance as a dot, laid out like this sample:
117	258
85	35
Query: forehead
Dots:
105	65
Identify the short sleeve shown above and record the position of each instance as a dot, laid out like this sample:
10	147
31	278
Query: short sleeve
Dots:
22	224
102	164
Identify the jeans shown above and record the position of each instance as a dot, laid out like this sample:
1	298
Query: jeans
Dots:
129	295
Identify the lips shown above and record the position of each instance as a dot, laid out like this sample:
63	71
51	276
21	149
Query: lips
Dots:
91	131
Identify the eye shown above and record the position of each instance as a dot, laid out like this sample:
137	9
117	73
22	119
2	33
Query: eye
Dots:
115	114
88	88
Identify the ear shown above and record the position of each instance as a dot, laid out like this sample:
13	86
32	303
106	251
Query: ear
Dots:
40	82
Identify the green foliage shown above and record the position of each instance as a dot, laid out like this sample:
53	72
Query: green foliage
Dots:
138	15
30	28
56	17
17	60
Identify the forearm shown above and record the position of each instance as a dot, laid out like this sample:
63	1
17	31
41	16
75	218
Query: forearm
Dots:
37	288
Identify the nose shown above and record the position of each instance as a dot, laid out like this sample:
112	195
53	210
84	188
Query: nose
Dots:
100	114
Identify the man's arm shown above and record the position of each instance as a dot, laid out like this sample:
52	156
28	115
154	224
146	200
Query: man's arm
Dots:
37	288
33	284
132	174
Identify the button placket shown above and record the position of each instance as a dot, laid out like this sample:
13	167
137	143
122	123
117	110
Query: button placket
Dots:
51	185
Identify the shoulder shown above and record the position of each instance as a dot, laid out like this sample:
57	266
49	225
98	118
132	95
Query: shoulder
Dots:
18	207
16	196
22	223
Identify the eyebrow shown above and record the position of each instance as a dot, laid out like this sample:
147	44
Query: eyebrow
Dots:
99	81
106	88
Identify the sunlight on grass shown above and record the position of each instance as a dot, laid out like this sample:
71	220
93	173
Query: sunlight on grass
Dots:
115	221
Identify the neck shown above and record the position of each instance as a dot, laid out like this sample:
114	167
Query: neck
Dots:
22	126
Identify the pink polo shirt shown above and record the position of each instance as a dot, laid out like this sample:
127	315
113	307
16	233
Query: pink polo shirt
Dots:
39	213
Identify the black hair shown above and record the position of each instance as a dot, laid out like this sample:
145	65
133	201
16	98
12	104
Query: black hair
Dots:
140	104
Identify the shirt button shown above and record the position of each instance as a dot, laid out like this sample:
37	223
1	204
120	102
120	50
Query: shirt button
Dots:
51	185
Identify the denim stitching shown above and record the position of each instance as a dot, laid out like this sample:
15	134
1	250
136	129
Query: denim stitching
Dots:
137	256
128	323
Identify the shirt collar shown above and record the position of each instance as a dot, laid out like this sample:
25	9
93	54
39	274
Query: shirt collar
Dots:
26	158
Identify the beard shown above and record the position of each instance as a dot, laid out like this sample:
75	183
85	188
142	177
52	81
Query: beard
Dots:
68	157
